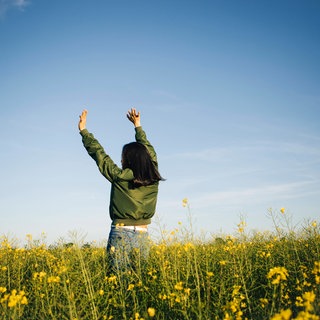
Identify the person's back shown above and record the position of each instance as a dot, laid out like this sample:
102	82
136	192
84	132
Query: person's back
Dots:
134	190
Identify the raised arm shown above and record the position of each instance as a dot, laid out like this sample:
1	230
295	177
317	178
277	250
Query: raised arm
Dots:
105	164
141	137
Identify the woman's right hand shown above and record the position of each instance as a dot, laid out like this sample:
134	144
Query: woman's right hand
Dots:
134	117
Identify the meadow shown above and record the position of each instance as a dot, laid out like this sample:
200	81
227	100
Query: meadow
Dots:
249	275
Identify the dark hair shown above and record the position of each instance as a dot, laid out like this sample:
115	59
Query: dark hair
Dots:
136	157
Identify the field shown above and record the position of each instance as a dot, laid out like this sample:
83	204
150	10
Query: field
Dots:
272	275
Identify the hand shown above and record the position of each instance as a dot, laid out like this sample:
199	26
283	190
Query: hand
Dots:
134	117
83	120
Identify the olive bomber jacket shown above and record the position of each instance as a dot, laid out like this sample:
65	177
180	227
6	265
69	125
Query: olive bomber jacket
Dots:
128	206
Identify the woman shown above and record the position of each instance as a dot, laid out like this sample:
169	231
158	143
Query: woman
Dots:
134	191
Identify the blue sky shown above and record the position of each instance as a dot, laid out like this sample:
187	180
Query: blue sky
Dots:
229	93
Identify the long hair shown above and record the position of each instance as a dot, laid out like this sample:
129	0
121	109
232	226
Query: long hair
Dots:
136	157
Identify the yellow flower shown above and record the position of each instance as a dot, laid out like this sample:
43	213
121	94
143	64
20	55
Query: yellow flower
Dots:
280	273
314	223
187	291
53	279
151	312
130	287
283	315
101	292
178	286
184	202
264	302
282	210
112	279
15	298
29	237
3	289
308	297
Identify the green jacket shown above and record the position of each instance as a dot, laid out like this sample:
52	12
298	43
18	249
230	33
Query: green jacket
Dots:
127	206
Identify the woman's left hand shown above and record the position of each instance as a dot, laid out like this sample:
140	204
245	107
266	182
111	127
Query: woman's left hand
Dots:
83	120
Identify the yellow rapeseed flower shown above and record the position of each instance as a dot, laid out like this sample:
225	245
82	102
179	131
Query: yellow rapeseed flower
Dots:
184	202
283	315
179	286
15	298
53	279
3	289
151	312
308	298
280	273
264	302
130	287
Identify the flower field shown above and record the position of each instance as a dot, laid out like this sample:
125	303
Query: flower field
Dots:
272	275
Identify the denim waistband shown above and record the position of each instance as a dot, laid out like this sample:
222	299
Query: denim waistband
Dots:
133	228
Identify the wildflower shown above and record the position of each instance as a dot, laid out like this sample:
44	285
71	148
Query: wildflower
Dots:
188	246
241	226
184	202
137	316
187	291
209	274
281	273
178	286
3	289
308	298
130	287
163	296
299	302
4	268
29	237
282	210
15	298
151	312
112	279
283	315
316	271
101	292
264	302
314	223
53	279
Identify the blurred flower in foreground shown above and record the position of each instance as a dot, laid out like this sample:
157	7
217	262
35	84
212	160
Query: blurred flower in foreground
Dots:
283	315
282	210
151	312
184	202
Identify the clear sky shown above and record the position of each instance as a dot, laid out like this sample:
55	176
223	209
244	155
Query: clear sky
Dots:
229	93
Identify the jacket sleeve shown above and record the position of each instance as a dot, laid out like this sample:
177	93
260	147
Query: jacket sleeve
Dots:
105	164
141	137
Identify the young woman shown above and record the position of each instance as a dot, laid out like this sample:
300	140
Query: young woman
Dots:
134	191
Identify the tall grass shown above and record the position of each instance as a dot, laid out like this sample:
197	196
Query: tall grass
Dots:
272	275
